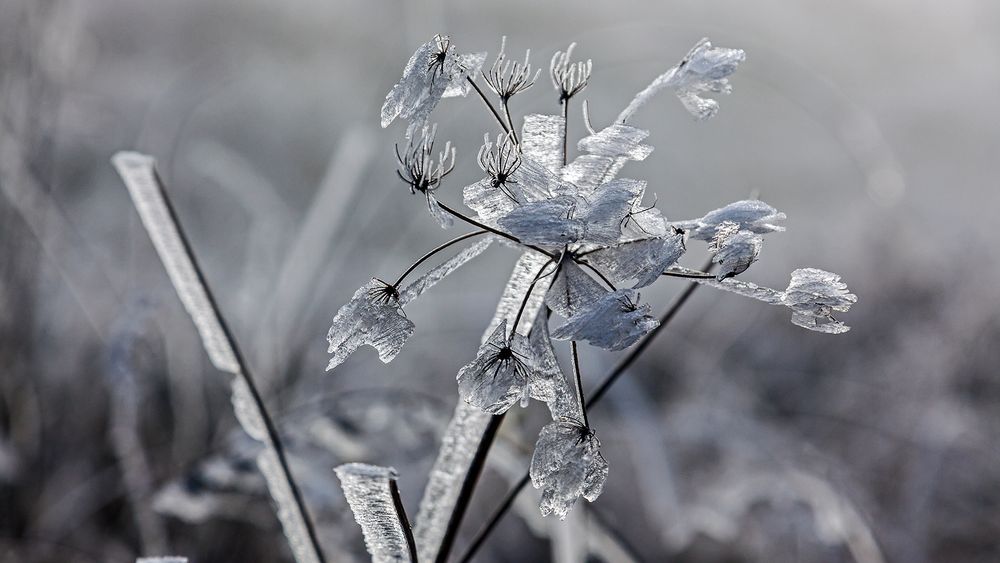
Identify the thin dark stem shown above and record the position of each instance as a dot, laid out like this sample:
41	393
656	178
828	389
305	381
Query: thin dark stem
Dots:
468	487
245	375
689	275
609	380
531	288
497	232
423	258
598	272
489	104
565	113
510	122
579	383
397	503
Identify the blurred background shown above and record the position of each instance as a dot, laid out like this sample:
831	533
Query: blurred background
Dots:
737	436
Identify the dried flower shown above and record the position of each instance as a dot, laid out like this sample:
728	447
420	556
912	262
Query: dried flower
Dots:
750	215
422	173
734	249
373	317
498	377
507	78
569	78
813	295
567	464
615	321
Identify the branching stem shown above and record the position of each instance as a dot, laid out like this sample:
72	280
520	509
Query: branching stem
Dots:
497	232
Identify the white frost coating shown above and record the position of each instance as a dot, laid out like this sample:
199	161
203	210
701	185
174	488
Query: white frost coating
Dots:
703	69
291	519
167	559
643	260
605	153
541	140
139	174
567	464
613	322
367	490
374	317
498	376
439	272
247	413
813	295
750	214
734	249
461	438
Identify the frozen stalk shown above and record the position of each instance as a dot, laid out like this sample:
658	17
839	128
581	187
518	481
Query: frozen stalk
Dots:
144	186
374	499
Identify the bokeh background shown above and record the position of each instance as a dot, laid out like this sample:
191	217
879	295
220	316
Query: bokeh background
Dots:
737	437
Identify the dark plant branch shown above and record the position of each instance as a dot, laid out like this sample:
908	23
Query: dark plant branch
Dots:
490	105
497	232
579	383
404	522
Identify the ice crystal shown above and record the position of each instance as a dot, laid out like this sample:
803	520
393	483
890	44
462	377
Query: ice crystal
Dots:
373	317
615	321
704	69
438	273
750	215
572	290
498	377
566	465
547	383
541	140
643	260
813	295
368	492
435	71
604	154
734	249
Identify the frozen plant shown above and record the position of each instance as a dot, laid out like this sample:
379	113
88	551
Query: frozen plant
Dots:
581	231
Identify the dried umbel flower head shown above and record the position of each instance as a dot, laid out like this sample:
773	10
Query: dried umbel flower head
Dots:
500	161
507	78
569	78
419	170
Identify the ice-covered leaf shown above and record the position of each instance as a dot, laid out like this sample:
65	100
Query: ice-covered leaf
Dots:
566	465
750	215
814	295
547	382
373	317
435	70
439	272
615	321
498	376
704	69
369	493
606	209
643	260
541	140
604	155
734	249
572	290
546	223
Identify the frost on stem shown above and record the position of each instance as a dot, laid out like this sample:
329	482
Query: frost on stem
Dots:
704	69
368	492
548	383
566	465
417	287
750	215
813	295
507	78
568	78
373	317
436	70
643	260
734	249
614	322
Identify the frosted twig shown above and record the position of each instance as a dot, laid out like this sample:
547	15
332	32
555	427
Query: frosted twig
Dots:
373	495
164	229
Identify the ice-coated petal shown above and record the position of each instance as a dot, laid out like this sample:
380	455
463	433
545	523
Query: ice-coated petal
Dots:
734	249
498	377
463	66
813	295
541	140
704	69
545	223
490	203
605	153
607	209
613	322
643	260
368	492
572	290
411	88
566	465
373	317
750	214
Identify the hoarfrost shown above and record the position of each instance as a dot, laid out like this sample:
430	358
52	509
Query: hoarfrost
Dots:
566	465
292	520
438	273
548	384
139	174
498	377
606	152
643	260
813	295
613	322
368	492
750	214
704	69
734	249
541	140
546	223
374	317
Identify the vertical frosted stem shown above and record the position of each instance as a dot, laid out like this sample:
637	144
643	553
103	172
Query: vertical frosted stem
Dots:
158	217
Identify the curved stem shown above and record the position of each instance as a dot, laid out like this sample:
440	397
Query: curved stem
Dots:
423	258
579	383
527	294
510	122
689	275
489	104
598	272
609	380
565	113
404	522
497	232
